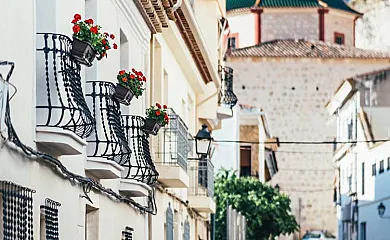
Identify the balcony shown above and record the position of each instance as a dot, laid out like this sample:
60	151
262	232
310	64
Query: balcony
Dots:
227	99
63	116
174	146
117	147
201	191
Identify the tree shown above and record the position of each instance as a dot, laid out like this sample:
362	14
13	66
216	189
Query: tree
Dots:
266	210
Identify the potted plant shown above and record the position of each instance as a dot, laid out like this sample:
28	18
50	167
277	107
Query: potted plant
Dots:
130	84
156	117
89	42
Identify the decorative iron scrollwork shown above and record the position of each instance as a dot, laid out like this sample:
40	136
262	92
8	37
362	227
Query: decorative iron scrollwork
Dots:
17	211
226	95
63	105
142	167
108	139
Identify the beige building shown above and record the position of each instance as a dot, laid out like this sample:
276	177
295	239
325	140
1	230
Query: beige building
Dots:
290	71
77	164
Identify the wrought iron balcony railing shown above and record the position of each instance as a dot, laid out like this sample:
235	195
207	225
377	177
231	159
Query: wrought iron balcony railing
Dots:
201	178
174	142
143	168
226	95
60	98
116	137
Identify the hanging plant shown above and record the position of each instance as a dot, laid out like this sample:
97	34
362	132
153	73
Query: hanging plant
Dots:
89	42
156	117
130	84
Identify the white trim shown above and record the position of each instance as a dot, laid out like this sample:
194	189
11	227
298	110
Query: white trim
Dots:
139	28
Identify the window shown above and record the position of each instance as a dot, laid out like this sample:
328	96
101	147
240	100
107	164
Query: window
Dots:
388	163
186	234
374	169
127	234
49	220
232	42
245	161
339	38
91	225
363	226
381	166
169	223
363	180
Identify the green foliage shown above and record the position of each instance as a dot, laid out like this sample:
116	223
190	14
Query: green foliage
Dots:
266	210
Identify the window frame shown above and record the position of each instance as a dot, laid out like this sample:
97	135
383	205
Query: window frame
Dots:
381	166
373	169
363	178
338	35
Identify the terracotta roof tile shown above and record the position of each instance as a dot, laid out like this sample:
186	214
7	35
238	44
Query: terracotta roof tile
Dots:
305	48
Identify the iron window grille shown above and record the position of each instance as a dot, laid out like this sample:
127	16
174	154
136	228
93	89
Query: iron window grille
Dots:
50	214
60	98
142	167
108	139
169	223
16	217
201	177
127	234
174	142
226	95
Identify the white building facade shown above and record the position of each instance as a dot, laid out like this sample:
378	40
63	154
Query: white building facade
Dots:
359	107
75	161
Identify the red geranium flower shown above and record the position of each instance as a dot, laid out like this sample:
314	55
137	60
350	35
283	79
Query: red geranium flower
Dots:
133	70
158	113
106	47
144	78
132	76
104	41
165	107
76	28
89	21
115	46
106	34
112	36
158	105
121	72
103	54
77	16
94	29
124	79
75	20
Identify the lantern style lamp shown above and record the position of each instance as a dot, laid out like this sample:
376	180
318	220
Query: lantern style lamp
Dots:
203	141
381	209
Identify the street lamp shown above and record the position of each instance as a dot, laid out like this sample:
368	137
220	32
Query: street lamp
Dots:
203	141
381	210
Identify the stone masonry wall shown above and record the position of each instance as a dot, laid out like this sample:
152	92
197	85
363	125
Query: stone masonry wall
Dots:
293	93
289	25
251	133
339	24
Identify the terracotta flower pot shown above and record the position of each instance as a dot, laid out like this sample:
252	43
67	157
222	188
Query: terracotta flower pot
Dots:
151	126
123	94
83	52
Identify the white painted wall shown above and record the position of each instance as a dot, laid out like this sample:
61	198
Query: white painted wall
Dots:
226	155
246	35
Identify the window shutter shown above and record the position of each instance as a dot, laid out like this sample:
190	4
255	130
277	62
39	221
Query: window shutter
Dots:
169	222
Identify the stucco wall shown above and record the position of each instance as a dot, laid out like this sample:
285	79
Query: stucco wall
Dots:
372	30
246	35
287	24
293	93
339	23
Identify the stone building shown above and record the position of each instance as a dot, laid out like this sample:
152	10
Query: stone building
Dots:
288	61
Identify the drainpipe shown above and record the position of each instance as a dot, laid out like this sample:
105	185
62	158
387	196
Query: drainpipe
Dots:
356	200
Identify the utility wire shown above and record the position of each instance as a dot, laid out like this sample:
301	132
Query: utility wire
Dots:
302	142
